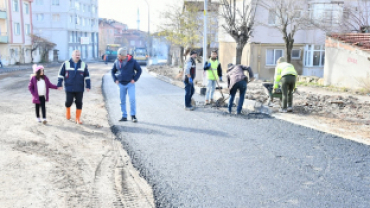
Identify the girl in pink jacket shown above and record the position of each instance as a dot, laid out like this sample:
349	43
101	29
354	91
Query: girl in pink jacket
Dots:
39	87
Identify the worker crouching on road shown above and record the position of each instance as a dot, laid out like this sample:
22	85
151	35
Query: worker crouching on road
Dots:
214	72
237	80
74	73
286	74
189	76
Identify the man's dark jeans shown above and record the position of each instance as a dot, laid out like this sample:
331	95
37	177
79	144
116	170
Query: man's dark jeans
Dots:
242	87
189	91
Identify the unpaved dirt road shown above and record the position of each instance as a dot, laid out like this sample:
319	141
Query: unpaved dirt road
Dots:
62	164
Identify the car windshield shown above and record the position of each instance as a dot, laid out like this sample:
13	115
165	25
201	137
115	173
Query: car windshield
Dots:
140	52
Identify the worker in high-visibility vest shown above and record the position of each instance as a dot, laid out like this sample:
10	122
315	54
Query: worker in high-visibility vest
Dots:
285	76
214	73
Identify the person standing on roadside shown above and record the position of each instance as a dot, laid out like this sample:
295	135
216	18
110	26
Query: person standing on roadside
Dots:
214	73
129	73
189	76
76	77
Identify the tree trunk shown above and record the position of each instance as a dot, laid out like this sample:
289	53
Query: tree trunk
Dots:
289	42
239	53
169	56
181	58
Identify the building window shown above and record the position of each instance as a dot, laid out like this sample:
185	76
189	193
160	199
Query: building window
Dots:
70	37
56	17
132	43
40	17
28	29
83	21
296	54
77	5
327	13
272	55
39	2
314	55
83	7
55	2
70	19
17	29
93	9
272	17
26	8
15	6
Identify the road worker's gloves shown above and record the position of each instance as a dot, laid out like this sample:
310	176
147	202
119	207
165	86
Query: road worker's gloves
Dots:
207	65
190	80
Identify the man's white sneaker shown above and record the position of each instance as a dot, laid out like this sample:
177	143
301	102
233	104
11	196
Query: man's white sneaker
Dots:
282	110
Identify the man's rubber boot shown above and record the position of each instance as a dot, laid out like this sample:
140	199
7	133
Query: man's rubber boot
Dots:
78	116
68	113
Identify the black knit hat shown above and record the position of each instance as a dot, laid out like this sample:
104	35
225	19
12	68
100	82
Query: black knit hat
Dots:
192	52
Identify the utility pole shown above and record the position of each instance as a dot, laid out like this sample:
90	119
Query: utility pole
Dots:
205	36
148	27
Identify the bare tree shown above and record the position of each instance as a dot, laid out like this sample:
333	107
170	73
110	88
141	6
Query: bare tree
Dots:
288	17
180	27
43	45
239	22
356	16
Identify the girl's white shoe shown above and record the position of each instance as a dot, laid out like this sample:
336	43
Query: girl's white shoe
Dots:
38	120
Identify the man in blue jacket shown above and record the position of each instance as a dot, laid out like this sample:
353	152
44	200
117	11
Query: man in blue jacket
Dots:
129	72
74	73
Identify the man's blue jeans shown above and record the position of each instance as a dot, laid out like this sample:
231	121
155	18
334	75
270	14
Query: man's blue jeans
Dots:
210	89
242	87
189	91
130	90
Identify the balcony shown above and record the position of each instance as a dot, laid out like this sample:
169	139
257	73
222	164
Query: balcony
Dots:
3	15
4	38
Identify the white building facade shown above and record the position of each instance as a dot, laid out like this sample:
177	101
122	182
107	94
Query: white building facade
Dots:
70	24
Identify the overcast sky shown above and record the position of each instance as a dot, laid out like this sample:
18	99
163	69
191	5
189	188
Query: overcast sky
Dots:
125	11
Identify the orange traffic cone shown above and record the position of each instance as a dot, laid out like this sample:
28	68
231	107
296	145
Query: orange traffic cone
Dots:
78	116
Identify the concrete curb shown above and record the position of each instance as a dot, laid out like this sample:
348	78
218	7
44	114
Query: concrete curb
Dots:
292	118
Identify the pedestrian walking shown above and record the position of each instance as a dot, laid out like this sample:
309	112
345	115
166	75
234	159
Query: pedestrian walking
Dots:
129	72
189	76
285	75
39	86
237	80
214	73
75	75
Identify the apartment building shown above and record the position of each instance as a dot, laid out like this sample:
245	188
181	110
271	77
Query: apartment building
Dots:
70	24
267	45
15	28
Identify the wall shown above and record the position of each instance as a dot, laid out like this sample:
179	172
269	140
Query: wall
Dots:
345	65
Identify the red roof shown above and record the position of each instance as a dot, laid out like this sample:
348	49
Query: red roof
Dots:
361	40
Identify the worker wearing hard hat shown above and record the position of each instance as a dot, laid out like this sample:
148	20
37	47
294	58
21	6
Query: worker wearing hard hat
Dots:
285	76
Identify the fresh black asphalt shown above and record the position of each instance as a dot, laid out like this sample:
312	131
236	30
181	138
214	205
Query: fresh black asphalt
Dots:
205	158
